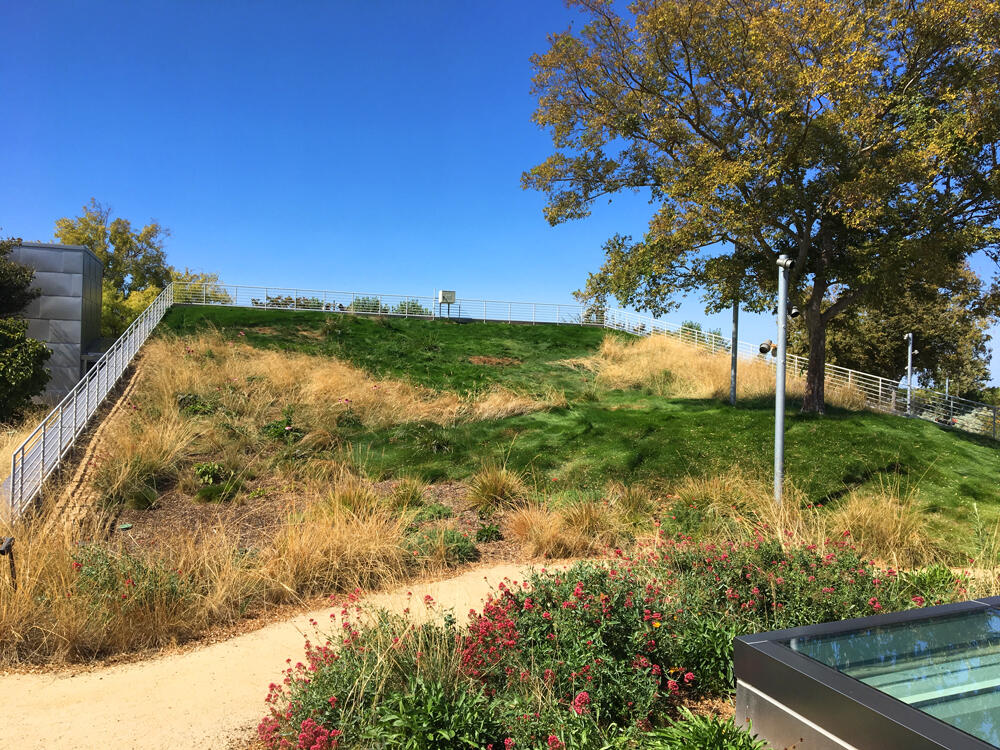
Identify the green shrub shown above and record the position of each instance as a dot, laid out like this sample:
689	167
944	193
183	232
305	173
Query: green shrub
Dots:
411	307
433	512
284	429
428	714
443	546
113	581
488	533
22	368
691	732
220	492
211	473
193	404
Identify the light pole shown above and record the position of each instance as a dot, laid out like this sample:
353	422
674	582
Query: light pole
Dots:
732	374
785	264
909	373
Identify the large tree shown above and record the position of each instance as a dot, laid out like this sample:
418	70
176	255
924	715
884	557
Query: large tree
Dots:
135	264
950	326
859	137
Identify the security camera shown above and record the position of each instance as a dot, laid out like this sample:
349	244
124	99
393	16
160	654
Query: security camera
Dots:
765	347
785	262
794	312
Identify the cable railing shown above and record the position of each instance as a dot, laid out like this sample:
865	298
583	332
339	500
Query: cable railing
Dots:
34	460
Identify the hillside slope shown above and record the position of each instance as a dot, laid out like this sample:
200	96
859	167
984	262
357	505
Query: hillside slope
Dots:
601	434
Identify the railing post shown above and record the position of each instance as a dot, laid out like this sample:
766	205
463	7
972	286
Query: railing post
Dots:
204	294
295	299
508	312
265	298
558	314
532	313
484	311
41	464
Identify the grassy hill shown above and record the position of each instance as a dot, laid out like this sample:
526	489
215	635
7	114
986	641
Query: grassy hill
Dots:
259	458
597	434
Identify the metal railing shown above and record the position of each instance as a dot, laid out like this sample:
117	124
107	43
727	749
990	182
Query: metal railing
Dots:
35	460
38	456
866	390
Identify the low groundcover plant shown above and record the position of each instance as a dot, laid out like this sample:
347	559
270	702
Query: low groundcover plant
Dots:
601	655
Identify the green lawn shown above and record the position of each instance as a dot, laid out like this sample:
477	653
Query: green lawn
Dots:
605	434
431	353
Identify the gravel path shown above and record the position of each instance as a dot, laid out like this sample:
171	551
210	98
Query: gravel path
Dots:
209	697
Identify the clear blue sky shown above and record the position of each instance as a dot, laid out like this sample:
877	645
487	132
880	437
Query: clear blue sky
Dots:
370	146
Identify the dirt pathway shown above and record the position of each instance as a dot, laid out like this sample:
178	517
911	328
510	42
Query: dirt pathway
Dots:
204	698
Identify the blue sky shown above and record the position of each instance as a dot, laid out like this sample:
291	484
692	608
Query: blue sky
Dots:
370	146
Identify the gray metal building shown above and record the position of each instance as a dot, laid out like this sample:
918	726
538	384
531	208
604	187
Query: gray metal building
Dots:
67	315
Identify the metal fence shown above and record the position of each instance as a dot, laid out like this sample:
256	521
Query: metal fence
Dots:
861	388
38	456
41	453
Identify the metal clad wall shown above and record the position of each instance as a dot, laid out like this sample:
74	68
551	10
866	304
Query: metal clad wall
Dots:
93	270
66	317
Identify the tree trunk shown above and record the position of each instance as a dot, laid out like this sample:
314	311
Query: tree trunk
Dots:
813	402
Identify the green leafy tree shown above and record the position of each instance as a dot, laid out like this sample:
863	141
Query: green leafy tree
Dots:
15	280
859	138
949	323
22	360
135	265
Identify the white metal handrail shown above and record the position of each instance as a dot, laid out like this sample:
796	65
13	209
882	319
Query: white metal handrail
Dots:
38	456
34	460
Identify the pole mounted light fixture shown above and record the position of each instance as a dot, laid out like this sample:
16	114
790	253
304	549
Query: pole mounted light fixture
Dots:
910	351
785	265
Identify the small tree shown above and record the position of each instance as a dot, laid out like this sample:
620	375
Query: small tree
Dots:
135	264
22	360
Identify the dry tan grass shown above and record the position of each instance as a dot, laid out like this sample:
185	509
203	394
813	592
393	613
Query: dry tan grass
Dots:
669	367
235	390
121	601
146	452
15	433
884	522
576	530
495	487
337	549
256	383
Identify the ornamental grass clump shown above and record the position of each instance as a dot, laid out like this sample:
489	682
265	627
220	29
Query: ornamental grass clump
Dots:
495	487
